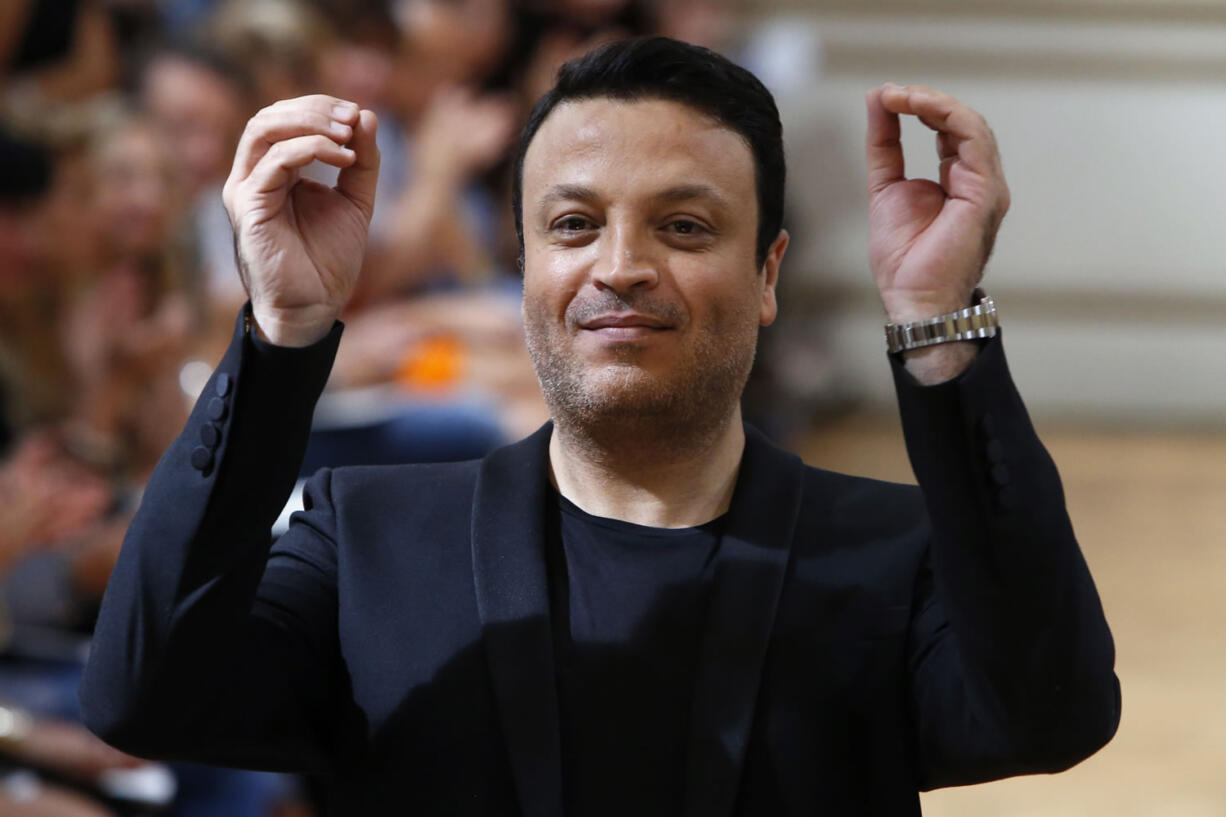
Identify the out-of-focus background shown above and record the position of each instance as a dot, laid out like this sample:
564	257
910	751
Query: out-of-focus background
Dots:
118	120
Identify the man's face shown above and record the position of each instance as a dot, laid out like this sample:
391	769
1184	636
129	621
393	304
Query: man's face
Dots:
642	295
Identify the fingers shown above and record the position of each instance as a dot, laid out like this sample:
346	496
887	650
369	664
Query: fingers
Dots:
288	135
961	130
318	114
883	144
279	165
357	180
969	161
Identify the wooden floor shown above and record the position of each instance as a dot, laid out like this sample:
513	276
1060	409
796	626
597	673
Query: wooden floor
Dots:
1150	513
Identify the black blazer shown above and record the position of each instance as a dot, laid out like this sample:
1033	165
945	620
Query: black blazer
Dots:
865	640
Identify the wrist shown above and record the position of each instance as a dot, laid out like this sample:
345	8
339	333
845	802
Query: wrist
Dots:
933	365
296	329
905	307
938	347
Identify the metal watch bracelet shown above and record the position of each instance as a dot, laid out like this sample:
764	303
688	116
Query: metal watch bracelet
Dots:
973	323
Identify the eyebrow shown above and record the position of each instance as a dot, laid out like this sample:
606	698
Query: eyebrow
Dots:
681	192
566	192
688	192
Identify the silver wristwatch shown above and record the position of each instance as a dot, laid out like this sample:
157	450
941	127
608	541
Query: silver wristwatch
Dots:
973	323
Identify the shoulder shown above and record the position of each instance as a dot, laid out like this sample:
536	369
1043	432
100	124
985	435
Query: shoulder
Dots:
877	526
850	502
366	477
827	499
891	502
403	488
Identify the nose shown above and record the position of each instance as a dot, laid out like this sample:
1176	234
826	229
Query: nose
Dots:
626	262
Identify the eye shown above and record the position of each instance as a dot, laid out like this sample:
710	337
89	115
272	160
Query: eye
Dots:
686	227
572	224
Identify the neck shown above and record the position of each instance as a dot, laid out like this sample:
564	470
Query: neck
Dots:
657	477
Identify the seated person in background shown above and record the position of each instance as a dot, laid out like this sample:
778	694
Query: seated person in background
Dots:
198	97
645	607
58	534
52	493
127	328
93	319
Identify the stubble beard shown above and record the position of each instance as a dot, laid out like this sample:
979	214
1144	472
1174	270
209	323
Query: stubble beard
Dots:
619	406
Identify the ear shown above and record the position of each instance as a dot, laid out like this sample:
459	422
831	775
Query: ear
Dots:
770	275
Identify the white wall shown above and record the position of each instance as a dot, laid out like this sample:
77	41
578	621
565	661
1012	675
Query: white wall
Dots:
1110	270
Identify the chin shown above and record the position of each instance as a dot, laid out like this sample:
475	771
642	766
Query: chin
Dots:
627	390
626	387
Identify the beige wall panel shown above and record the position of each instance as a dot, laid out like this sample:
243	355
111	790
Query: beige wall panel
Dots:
1111	267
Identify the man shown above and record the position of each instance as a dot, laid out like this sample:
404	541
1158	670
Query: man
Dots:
643	608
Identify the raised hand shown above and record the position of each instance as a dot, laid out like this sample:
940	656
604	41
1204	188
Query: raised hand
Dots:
928	242
462	134
300	243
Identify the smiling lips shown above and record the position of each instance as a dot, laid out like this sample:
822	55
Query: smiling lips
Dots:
624	325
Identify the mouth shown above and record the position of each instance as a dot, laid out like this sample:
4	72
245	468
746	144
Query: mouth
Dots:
624	326
624	320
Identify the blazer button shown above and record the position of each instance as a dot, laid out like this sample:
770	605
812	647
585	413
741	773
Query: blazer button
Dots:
222	384
995	451
210	435
988	424
217	409
1000	474
202	458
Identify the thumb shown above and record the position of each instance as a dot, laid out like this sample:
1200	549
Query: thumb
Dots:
357	182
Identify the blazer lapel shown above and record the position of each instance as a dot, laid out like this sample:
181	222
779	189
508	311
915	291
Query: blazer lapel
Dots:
749	572
508	543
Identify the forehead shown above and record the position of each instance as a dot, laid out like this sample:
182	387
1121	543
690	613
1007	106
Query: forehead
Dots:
626	146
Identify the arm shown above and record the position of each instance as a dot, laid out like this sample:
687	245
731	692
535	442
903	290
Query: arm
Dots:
208	645
1011	657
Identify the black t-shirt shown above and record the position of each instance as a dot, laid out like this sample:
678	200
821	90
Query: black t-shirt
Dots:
628	604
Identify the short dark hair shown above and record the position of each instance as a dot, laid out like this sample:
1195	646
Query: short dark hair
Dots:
667	69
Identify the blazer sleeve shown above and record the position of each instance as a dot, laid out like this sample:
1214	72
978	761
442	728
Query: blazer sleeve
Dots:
208	646
1011	660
